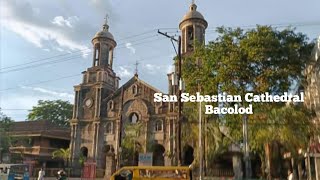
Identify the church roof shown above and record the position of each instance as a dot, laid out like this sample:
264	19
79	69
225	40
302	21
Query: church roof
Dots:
104	33
192	14
42	128
134	79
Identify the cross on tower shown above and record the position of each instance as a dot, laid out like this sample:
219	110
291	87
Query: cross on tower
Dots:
106	19
136	69
193	1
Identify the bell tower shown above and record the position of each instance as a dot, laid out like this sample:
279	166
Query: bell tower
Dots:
89	111
192	26
104	44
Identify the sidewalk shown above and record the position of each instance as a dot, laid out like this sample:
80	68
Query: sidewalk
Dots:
54	178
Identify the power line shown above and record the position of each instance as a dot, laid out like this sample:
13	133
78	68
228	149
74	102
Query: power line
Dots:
86	49
37	65
44	59
65	77
137	35
62	59
41	82
16	109
144	33
148	37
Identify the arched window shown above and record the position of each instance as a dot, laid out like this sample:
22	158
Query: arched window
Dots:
96	55
110	105
134	89
84	151
158	126
109	128
134	118
190	37
171	107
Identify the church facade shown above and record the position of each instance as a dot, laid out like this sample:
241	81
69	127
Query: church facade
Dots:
103	111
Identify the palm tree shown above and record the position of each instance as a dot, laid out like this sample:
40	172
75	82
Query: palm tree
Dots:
62	154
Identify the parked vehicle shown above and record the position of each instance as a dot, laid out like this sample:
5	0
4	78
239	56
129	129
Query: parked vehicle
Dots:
153	172
14	172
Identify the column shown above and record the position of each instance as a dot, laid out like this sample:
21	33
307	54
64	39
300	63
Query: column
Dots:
97	125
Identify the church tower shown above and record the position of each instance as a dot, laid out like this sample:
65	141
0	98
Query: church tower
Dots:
192	26
89	111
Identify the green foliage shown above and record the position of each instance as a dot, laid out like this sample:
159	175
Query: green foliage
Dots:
288	125
130	143
258	60
57	111
5	141
82	159
5	121
61	153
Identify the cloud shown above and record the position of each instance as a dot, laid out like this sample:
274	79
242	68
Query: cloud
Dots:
124	72
152	67
50	92
61	21
33	25
132	49
170	68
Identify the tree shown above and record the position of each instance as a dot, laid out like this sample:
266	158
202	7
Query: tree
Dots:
5	123
130	143
63	154
258	60
57	111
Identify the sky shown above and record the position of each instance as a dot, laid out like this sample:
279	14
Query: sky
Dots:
45	45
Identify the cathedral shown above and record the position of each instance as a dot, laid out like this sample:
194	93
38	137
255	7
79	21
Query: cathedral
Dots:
102	110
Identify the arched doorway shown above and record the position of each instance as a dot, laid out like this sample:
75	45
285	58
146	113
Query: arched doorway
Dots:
84	152
188	156
158	155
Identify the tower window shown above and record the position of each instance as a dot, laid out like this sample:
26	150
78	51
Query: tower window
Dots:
190	38
134	118
110	57
96	55
158	126
109	128
171	107
190	33
110	105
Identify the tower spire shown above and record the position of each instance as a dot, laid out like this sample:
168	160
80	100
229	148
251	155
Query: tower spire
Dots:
136	68
105	25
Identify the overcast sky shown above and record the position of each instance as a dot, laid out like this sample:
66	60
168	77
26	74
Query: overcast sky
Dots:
45	45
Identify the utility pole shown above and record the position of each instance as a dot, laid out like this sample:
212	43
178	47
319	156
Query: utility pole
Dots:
119	154
200	138
180	88
246	147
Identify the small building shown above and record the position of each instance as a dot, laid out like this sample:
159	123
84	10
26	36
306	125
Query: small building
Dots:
34	141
